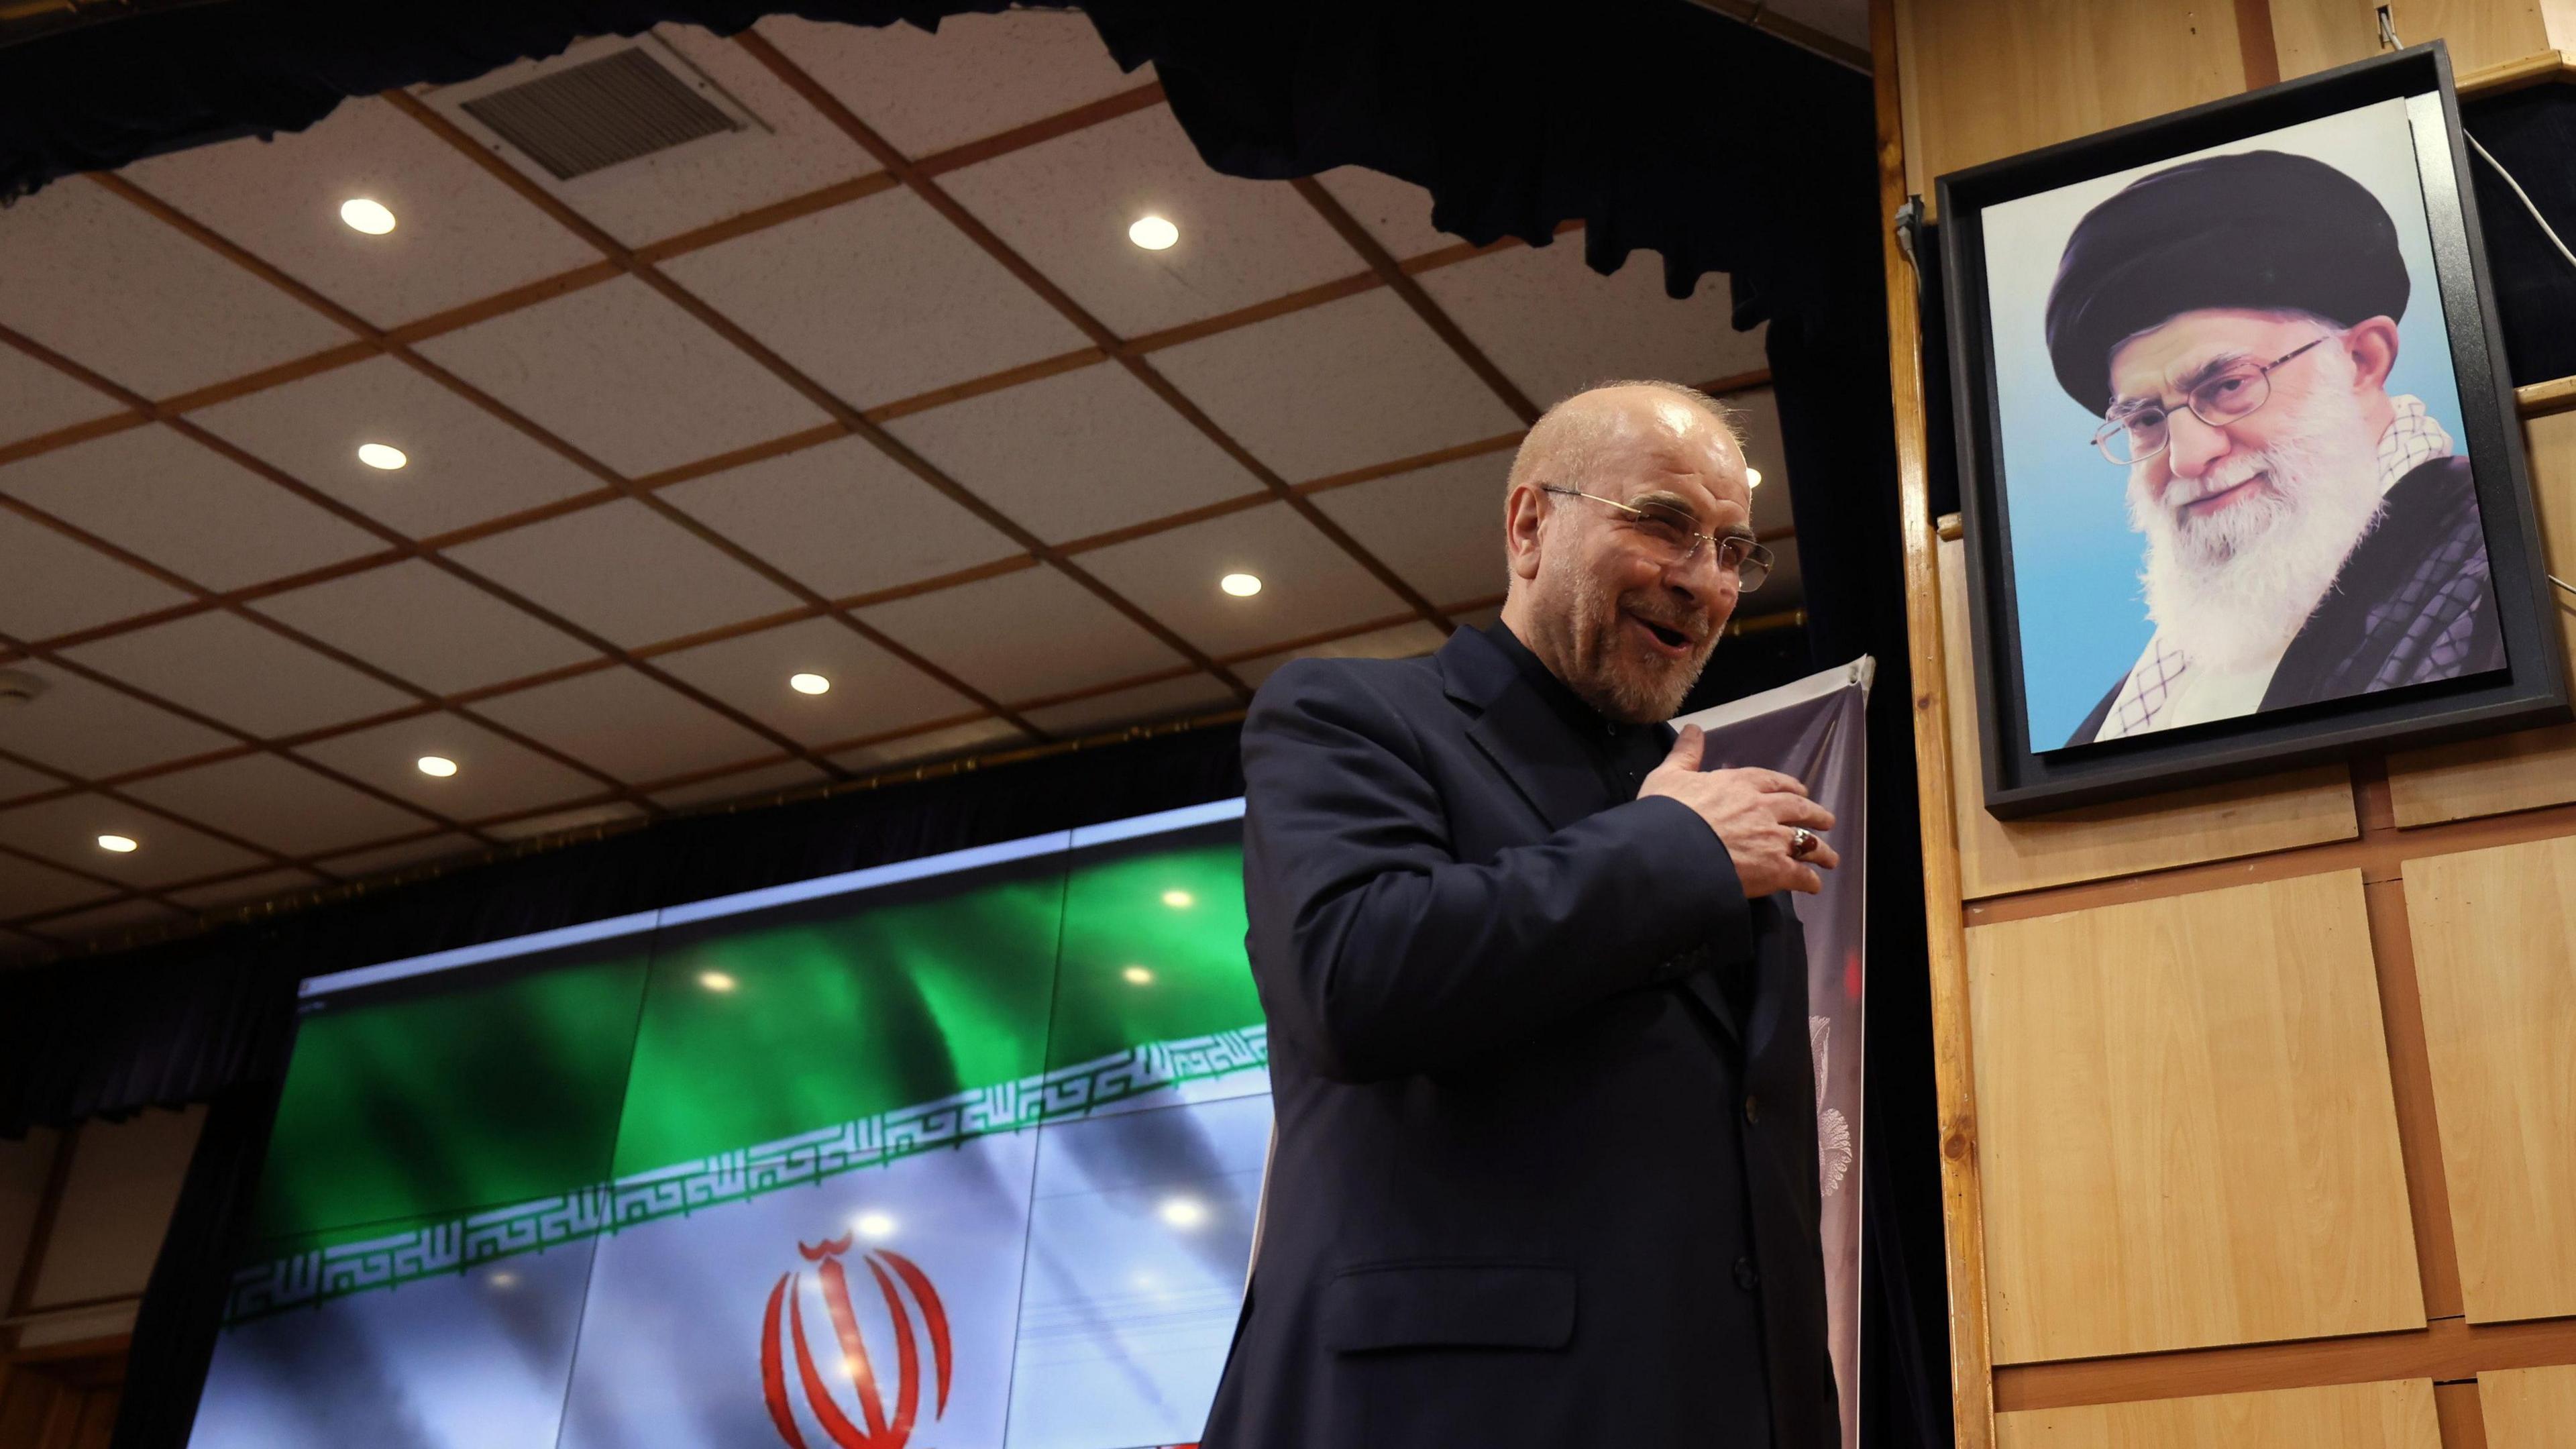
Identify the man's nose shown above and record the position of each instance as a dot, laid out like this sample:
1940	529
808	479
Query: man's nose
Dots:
2192	445
1701	580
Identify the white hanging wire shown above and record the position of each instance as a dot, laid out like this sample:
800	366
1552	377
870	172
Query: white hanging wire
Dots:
2546	230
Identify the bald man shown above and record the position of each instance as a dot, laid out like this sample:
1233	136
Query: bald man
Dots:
1545	1171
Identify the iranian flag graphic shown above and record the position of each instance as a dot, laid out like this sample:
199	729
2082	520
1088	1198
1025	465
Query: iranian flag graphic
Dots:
921	1159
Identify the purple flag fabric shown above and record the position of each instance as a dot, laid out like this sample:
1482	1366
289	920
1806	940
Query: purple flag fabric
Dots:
1816	729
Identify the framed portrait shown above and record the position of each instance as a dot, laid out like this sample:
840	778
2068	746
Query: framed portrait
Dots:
2242	480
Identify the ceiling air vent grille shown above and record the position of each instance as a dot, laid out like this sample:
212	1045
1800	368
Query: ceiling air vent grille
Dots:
591	116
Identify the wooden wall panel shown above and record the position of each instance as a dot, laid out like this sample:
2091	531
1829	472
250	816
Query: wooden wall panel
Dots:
2535	767
2188	1136
2315	35
2494	933
2210	822
2479	32
1984	80
2529	1408
2344	1416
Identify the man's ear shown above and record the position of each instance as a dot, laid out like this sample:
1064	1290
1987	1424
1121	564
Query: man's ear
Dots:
2372	344
1522	508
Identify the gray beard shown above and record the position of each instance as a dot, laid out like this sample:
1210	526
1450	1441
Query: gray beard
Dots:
2233	590
1591	643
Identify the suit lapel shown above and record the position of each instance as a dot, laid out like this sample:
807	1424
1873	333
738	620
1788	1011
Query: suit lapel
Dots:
1532	745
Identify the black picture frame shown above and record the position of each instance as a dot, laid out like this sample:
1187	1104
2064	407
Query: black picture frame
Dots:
2532	690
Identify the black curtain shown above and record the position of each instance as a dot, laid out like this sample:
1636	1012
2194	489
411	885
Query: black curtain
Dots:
1658	124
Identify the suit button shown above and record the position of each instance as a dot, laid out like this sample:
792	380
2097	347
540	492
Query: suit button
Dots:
1752	1109
1747	1277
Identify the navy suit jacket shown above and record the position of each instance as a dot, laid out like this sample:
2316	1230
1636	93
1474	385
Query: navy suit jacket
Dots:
1534	1183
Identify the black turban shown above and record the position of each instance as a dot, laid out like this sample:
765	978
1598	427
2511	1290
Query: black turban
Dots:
2261	229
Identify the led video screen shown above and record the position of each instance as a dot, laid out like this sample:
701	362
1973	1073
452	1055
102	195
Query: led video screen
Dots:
959	1152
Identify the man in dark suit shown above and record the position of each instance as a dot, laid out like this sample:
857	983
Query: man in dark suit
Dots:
1545	1171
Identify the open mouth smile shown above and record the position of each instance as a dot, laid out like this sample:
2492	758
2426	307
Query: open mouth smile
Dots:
1670	642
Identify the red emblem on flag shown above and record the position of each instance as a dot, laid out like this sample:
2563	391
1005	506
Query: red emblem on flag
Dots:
908	1293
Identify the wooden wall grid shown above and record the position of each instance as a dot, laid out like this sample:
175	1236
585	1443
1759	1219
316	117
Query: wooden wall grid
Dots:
2257	1103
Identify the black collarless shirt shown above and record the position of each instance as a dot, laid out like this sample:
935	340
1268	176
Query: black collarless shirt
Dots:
1620	753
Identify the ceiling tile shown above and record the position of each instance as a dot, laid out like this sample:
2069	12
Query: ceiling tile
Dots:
977	736
878	299
1023	635
280	804
1553	325
872	691
842	519
1397	213
631	726
360	864
1076	454
1191	694
66	831
752	786
979	75
465	465
179	315
16	780
1478	618
53	585
226	667
1404	641
626	572
459	235
91	730
18	948
35	398
185	507
1066	204
27	888
1440	528
105	926
689	186
265	886
1308	584
580	817
626	376
424	624
494	775
1385	382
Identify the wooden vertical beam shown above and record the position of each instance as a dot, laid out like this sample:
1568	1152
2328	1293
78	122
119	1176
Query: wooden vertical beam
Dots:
1972	1406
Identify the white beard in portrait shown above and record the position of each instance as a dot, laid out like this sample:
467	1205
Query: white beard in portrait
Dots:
2234	587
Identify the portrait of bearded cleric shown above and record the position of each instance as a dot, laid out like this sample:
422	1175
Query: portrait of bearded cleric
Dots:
2307	532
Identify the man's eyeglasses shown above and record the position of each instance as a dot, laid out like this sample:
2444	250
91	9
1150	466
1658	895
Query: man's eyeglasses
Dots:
2138	431
1672	538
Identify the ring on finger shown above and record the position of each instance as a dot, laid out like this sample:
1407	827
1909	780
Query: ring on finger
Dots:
1802	843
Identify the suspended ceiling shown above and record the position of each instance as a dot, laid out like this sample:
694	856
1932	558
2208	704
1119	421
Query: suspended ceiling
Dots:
876	388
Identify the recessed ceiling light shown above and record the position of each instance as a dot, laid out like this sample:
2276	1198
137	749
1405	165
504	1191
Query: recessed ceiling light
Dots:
118	843
1138	976
1153	233
372	217
715	981
382	455
808	683
1242	586
1178	900
438	765
1752	477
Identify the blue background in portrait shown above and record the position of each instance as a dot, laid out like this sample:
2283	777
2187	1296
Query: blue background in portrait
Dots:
2075	560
